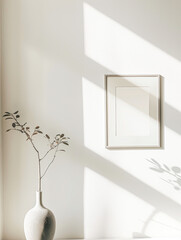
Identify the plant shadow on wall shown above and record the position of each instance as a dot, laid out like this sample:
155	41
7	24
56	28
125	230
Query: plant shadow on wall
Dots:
130	183
171	175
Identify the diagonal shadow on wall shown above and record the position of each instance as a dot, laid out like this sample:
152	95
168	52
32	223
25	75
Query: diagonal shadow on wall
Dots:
128	182
148	19
171	117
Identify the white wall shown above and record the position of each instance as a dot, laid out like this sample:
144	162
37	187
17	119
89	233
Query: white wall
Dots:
55	54
1	170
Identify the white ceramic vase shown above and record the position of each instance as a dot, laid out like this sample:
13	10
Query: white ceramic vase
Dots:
39	222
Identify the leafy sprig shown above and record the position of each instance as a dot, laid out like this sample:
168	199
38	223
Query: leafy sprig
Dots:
54	144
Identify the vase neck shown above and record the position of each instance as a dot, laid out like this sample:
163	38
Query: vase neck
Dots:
39	199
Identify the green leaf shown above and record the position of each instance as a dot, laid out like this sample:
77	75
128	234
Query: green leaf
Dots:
39	131
65	138
62	135
8	130
47	136
16	112
8	118
17	116
6	115
66	143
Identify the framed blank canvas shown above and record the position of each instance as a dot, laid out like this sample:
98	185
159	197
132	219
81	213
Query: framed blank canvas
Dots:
132	111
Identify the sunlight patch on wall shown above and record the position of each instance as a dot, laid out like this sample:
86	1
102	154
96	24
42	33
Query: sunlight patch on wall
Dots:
110	209
123	52
93	97
111	48
161	222
94	139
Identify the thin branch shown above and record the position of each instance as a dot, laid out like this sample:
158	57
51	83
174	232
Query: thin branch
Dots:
49	163
46	154
50	150
35	148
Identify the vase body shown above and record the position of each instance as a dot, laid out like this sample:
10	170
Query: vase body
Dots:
39	222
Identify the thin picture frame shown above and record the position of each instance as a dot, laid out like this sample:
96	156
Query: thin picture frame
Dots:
133	111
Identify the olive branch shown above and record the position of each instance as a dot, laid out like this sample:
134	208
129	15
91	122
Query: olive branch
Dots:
54	145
